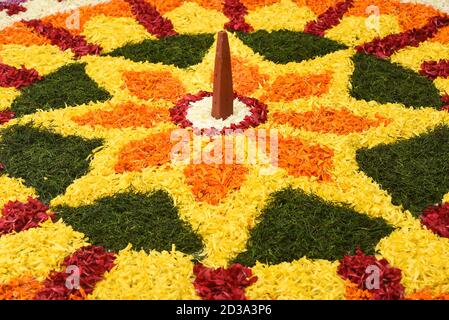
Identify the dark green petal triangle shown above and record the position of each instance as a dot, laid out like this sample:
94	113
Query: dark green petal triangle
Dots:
386	82
147	221
295	225
181	50
415	171
69	85
46	161
288	46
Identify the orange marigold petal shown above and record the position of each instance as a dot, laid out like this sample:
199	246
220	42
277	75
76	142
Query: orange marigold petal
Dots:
212	182
360	7
328	121
24	288
210	4
292	86
154	85
303	159
318	7
151	151
442	36
164	6
18	33
352	292
125	116
254	4
410	15
415	15
114	8
427	294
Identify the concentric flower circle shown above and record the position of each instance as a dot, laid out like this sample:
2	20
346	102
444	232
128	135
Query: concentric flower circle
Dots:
195	111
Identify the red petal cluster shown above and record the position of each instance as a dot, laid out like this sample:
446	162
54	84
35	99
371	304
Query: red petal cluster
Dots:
12	8
436	218
64	39
179	112
20	216
385	47
355	269
5	116
11	77
328	19
236	12
92	261
445	99
259	112
435	69
222	284
151	19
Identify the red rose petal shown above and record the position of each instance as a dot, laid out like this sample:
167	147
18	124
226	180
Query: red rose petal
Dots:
92	261
354	268
435	69
64	39
236	11
330	18
12	8
12	77
5	116
148	16
222	284
436	218
20	216
385	47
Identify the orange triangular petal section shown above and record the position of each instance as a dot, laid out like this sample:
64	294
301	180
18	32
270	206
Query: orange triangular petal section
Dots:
24	288
300	159
410	15
114	8
254	4
212	182
164	6
154	85
318	7
18	33
364	7
210	4
151	151
415	15
292	86
328	121
125	116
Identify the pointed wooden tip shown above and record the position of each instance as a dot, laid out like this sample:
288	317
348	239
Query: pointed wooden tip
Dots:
223	95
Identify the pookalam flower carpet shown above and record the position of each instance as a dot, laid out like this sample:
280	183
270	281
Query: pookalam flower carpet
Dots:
92	90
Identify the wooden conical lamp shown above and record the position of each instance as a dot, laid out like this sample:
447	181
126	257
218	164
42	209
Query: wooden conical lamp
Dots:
223	94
